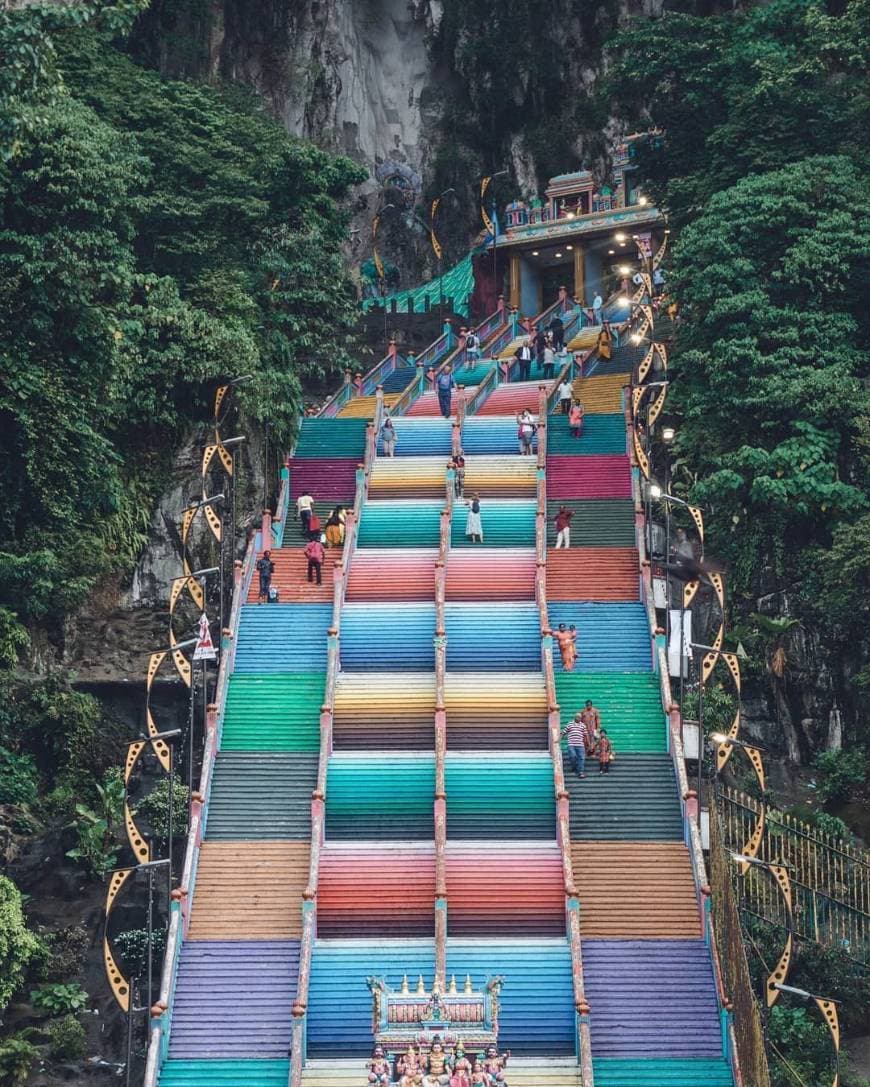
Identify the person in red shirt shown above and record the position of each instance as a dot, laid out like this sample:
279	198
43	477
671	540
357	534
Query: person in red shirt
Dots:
314	552
563	527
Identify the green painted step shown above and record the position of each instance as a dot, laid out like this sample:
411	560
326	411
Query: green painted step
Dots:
683	1072
601	434
472	375
273	712
630	705
500	797
598	522
251	1073
380	797
506	522
400	524
293	534
331	438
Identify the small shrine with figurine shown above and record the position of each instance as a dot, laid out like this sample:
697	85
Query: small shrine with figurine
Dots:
434	1039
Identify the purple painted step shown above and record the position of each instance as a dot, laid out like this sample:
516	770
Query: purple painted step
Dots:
329	479
651	998
234	999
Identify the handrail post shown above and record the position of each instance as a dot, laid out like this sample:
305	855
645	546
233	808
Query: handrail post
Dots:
379	407
440	805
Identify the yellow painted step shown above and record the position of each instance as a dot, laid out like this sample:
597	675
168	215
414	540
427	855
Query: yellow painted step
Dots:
585	338
363	407
600	395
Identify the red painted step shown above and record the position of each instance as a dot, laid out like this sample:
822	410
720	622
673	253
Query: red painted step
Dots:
290	578
392	574
509	399
427	404
331	479
368	889
492	574
515	888
593	476
592	573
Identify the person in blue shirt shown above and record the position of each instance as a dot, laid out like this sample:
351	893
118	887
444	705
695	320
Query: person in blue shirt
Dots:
445	383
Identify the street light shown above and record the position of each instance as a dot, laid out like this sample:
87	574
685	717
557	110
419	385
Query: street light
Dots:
668	434
828	1008
485	184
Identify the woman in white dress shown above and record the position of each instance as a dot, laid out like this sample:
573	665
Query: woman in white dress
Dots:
474	526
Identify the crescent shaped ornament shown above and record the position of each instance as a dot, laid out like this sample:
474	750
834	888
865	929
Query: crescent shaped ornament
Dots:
219	395
645	364
655	409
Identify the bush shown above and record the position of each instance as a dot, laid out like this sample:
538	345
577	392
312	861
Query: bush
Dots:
67	1039
98	827
155	808
59	998
842	774
133	948
805	1042
18	780
16	1059
17	944
66	949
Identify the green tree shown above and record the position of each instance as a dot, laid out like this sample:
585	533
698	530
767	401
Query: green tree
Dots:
17	944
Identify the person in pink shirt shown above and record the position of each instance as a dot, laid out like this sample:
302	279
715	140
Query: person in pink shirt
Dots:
314	552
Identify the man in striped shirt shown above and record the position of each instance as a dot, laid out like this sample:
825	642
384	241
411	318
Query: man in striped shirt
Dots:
576	733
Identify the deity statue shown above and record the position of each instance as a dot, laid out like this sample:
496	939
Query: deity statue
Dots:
494	1064
408	1068
380	1073
462	1069
479	1078
437	1065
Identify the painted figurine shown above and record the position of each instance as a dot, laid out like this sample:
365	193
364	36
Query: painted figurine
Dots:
494	1064
479	1078
462	1069
408	1068
380	1073
437	1066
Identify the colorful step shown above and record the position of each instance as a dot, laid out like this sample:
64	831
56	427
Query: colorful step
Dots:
364	407
630	706
249	890
601	434
593	574
635	890
688	1072
233	999
399	379
537	1001
492	476
424	437
491	574
513	889
273	712
600	395
623	360
484	713
377	797
388	637
257	794
251	1073
509	399
506	522
610	637
283	639
367	889
327	479
506	796
339	1002
651	998
291	578
330	439
599	522
392	574
426	405
294	536
493	637
384	711
400	523
636	801
592	476
484	435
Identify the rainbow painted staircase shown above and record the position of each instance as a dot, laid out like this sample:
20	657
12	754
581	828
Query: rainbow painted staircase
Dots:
384	790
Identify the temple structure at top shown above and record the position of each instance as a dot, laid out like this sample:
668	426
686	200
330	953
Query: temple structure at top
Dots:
581	236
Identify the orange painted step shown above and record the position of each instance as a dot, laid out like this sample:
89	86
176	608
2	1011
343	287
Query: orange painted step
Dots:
592	573
635	890
376	889
290	578
392	574
249	890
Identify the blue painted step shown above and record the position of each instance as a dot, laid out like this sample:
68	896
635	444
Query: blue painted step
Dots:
285	638
422	436
497	637
491	434
399	379
537	1001
610	637
340	1004
394	637
651	998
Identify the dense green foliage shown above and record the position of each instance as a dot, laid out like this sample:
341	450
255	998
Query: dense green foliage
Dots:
17	945
762	166
156	237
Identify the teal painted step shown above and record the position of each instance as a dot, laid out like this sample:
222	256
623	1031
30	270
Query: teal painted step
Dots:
380	797
500	796
685	1072
598	522
630	705
601	434
506	522
273	712
472	375
251	1073
404	523
293	534
331	438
